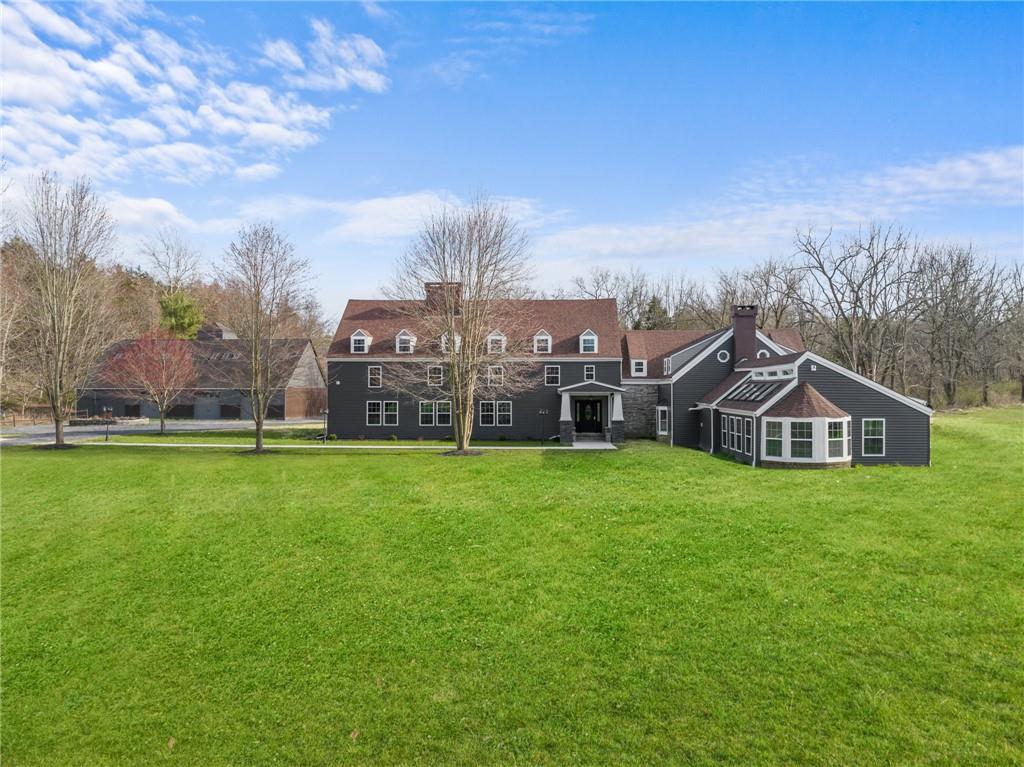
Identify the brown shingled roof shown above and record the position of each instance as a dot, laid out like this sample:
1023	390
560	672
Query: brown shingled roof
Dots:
563	319
768	362
655	345
805	402
788	337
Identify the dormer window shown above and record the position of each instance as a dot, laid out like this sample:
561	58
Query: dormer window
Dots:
458	342
666	366
542	343
640	368
496	343
359	342
588	342
405	342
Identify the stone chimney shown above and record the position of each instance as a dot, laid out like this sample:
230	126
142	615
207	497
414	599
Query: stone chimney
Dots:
442	294
744	332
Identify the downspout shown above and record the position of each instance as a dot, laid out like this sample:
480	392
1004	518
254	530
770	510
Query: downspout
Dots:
753	445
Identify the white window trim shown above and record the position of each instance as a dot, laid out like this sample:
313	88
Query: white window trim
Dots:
437	421
841	439
885	435
379	412
409	337
440	375
658	413
494	412
458	343
362	335
433	412
496	335
384	412
558	375
819	440
380	376
723	355
725	432
639	368
588	333
491	376
589	373
497	412
788	434
748	436
763	354
781	439
539	335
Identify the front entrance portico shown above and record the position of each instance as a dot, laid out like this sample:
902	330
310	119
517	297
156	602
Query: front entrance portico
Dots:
591	410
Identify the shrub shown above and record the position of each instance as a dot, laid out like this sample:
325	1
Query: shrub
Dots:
393	438
332	437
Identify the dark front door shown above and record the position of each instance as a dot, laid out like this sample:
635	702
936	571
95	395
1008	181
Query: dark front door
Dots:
588	416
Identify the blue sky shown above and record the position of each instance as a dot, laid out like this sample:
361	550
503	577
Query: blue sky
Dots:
674	137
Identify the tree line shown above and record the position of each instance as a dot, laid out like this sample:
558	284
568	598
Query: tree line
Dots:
941	322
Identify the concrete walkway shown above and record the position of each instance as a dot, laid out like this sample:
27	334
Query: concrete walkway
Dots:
574	446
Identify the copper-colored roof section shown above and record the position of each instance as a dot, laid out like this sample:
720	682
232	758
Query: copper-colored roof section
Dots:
563	319
723	388
655	345
805	402
768	362
788	337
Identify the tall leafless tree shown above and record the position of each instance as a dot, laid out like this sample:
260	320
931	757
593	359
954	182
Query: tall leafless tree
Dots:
262	279
66	311
173	261
462	287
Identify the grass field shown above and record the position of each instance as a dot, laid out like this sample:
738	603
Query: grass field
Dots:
279	435
631	607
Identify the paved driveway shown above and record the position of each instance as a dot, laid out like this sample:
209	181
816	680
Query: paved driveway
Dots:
43	433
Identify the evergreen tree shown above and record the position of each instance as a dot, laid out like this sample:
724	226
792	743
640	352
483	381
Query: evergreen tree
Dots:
180	315
655	316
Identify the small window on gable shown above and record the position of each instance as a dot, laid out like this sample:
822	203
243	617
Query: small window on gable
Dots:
359	342
496	343
588	342
640	367
762	353
542	343
723	355
405	342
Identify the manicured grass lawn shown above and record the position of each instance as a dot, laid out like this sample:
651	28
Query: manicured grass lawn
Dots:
283	435
632	607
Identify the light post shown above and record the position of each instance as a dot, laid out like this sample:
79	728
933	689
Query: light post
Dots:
324	414
107	412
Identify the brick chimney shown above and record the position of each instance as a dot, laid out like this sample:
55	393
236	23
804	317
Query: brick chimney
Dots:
744	332
440	294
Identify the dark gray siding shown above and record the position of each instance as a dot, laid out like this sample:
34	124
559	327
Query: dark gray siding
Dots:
702	378
723	447
535	412
907	431
206	404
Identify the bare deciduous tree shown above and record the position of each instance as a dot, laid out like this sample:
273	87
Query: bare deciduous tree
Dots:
262	279
158	365
66	311
174	262
462	287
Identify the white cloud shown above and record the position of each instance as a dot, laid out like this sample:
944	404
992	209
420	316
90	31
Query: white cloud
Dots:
340	63
47	21
260	171
139	131
283	54
375	10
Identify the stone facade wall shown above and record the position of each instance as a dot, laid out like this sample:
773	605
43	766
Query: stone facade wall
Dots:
639	403
805	465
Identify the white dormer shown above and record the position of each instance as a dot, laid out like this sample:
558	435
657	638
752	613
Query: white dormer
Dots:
405	342
444	342
542	342
359	342
496	342
588	342
639	368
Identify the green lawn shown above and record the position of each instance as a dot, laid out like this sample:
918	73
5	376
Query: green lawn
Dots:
285	435
631	607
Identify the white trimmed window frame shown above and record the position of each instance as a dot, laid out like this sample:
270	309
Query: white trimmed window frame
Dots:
394	412
458	343
661	411
832	441
795	423
557	375
362	339
377	412
864	437
763	354
781	438
446	414
370	376
503	410
585	337
748	436
819	440
404	337
498	337
495	375
590	372
435	375
488	413
723	355
543	338
639	368
427	409
725	432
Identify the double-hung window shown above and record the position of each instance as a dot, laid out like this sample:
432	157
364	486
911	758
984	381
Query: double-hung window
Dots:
872	436
748	435
495	375
552	375
487	413
836	439
373	376
737	437
589	372
443	413
640	367
662	420
725	431
801	439
373	413
504	413
426	413
435	375
542	343
391	413
495	344
773	439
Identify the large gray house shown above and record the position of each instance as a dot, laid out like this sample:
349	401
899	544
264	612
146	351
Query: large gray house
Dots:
756	395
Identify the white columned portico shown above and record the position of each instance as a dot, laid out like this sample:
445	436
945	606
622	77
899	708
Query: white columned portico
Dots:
617	407
566	407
